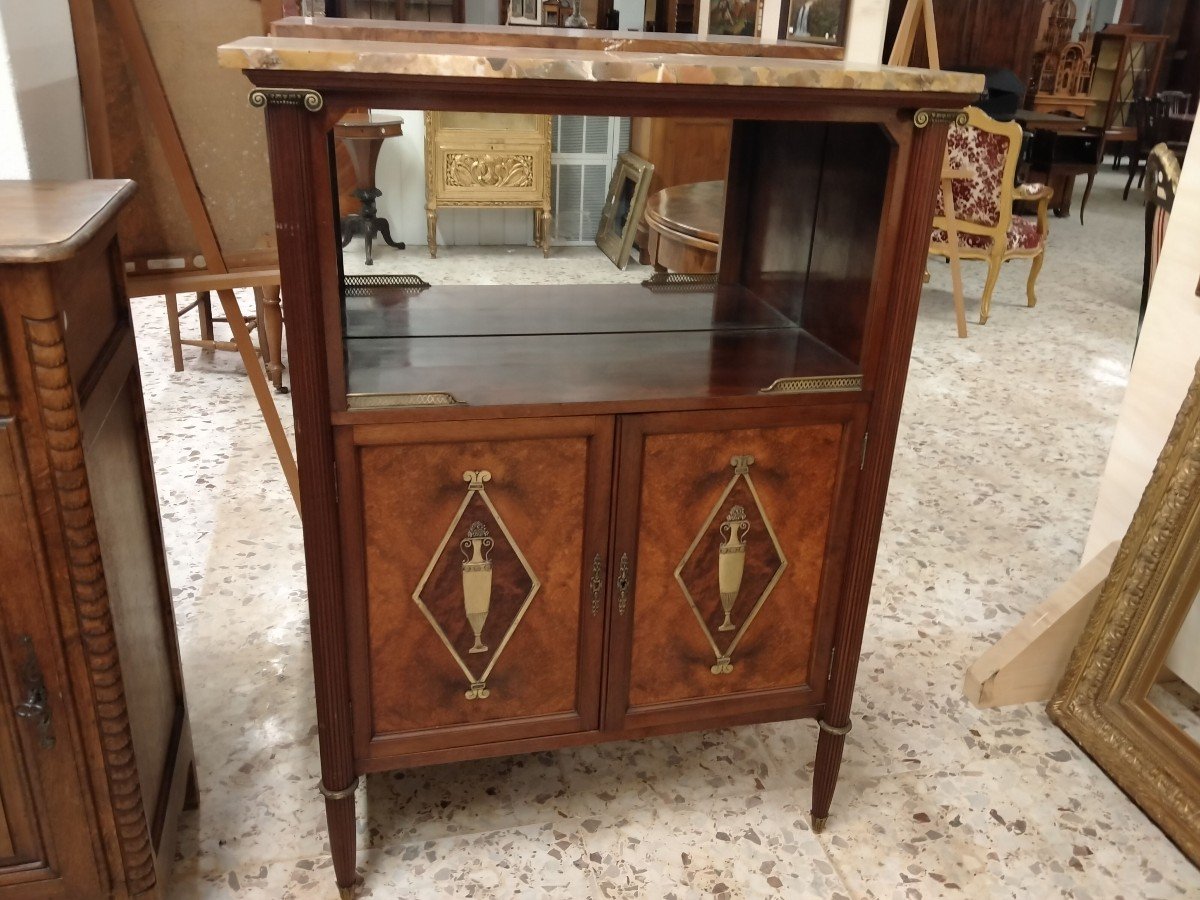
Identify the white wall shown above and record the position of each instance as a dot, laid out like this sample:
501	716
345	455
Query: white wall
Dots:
14	158
400	174
40	107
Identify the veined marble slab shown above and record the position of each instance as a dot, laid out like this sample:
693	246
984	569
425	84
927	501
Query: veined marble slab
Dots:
450	60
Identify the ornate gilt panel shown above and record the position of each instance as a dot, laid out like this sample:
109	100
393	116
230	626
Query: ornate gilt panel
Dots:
487	160
489	170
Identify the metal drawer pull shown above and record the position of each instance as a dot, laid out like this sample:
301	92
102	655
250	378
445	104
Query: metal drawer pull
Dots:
35	708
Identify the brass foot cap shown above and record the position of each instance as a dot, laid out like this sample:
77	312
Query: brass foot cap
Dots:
347	893
818	823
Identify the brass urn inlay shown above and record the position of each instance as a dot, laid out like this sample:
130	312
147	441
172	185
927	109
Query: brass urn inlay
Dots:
477	580
476	599
731	568
732	564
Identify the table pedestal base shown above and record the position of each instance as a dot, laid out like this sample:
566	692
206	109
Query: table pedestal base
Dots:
368	224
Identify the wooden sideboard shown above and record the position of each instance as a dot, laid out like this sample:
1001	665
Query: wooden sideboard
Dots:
95	749
488	160
544	516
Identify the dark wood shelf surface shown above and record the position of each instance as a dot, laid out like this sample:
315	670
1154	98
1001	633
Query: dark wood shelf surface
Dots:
495	370
480	310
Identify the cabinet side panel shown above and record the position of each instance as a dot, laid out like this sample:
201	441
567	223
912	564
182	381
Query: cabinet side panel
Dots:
140	612
853	184
91	308
412	495
782	161
683	477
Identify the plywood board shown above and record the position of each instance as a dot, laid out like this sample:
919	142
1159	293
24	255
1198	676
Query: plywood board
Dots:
223	135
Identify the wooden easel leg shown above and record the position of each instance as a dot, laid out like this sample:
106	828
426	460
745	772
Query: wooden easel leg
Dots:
204	310
960	311
272	336
173	328
262	393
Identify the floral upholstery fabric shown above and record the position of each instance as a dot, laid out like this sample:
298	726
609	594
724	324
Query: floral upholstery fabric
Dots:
1022	235
978	199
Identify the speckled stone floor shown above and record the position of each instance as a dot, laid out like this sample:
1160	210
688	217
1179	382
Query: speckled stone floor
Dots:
1000	449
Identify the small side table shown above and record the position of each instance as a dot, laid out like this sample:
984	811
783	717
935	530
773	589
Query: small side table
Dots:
363	139
685	227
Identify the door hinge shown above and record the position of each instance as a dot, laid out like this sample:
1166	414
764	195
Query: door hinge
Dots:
862	461
832	659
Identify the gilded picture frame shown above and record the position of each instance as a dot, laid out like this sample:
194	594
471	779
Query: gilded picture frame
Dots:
623	207
1103	700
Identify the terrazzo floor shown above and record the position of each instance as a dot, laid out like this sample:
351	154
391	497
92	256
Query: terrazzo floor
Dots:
1003	437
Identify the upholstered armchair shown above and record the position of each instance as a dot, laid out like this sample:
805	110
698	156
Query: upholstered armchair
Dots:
979	173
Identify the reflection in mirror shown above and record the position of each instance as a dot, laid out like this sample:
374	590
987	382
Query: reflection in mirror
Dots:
1176	693
460	198
519	259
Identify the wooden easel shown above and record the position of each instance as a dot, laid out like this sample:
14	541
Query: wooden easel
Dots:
918	12
217	276
918	15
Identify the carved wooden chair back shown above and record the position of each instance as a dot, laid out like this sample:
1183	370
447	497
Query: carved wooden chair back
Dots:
982	204
1162	181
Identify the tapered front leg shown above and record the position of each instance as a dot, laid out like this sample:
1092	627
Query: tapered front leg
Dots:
340	815
830	745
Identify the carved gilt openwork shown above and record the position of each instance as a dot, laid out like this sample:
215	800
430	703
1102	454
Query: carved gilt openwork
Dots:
732	565
477	586
514	170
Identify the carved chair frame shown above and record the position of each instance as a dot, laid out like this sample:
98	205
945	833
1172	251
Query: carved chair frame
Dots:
1102	701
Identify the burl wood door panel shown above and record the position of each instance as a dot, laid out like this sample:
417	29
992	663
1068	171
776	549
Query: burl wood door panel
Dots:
731	528
474	616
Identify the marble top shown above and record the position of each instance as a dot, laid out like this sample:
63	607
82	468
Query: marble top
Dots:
300	54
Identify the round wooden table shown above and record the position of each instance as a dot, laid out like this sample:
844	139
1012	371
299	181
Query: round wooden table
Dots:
363	138
685	227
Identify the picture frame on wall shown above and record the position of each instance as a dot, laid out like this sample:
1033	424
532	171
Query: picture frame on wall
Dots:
815	21
623	208
735	17
524	12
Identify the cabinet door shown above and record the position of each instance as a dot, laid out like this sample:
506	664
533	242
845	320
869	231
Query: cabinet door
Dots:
477	604
45	848
731	529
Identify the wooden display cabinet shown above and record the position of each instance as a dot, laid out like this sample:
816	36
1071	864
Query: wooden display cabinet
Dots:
95	747
1128	64
543	516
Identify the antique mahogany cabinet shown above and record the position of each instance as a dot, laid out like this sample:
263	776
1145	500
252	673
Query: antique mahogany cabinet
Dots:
95	749
541	516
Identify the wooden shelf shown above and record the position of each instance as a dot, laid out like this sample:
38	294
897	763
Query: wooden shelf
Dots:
479	310
578	368
532	344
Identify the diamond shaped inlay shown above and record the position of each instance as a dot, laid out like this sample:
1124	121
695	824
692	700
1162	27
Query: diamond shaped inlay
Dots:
732	565
477	587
